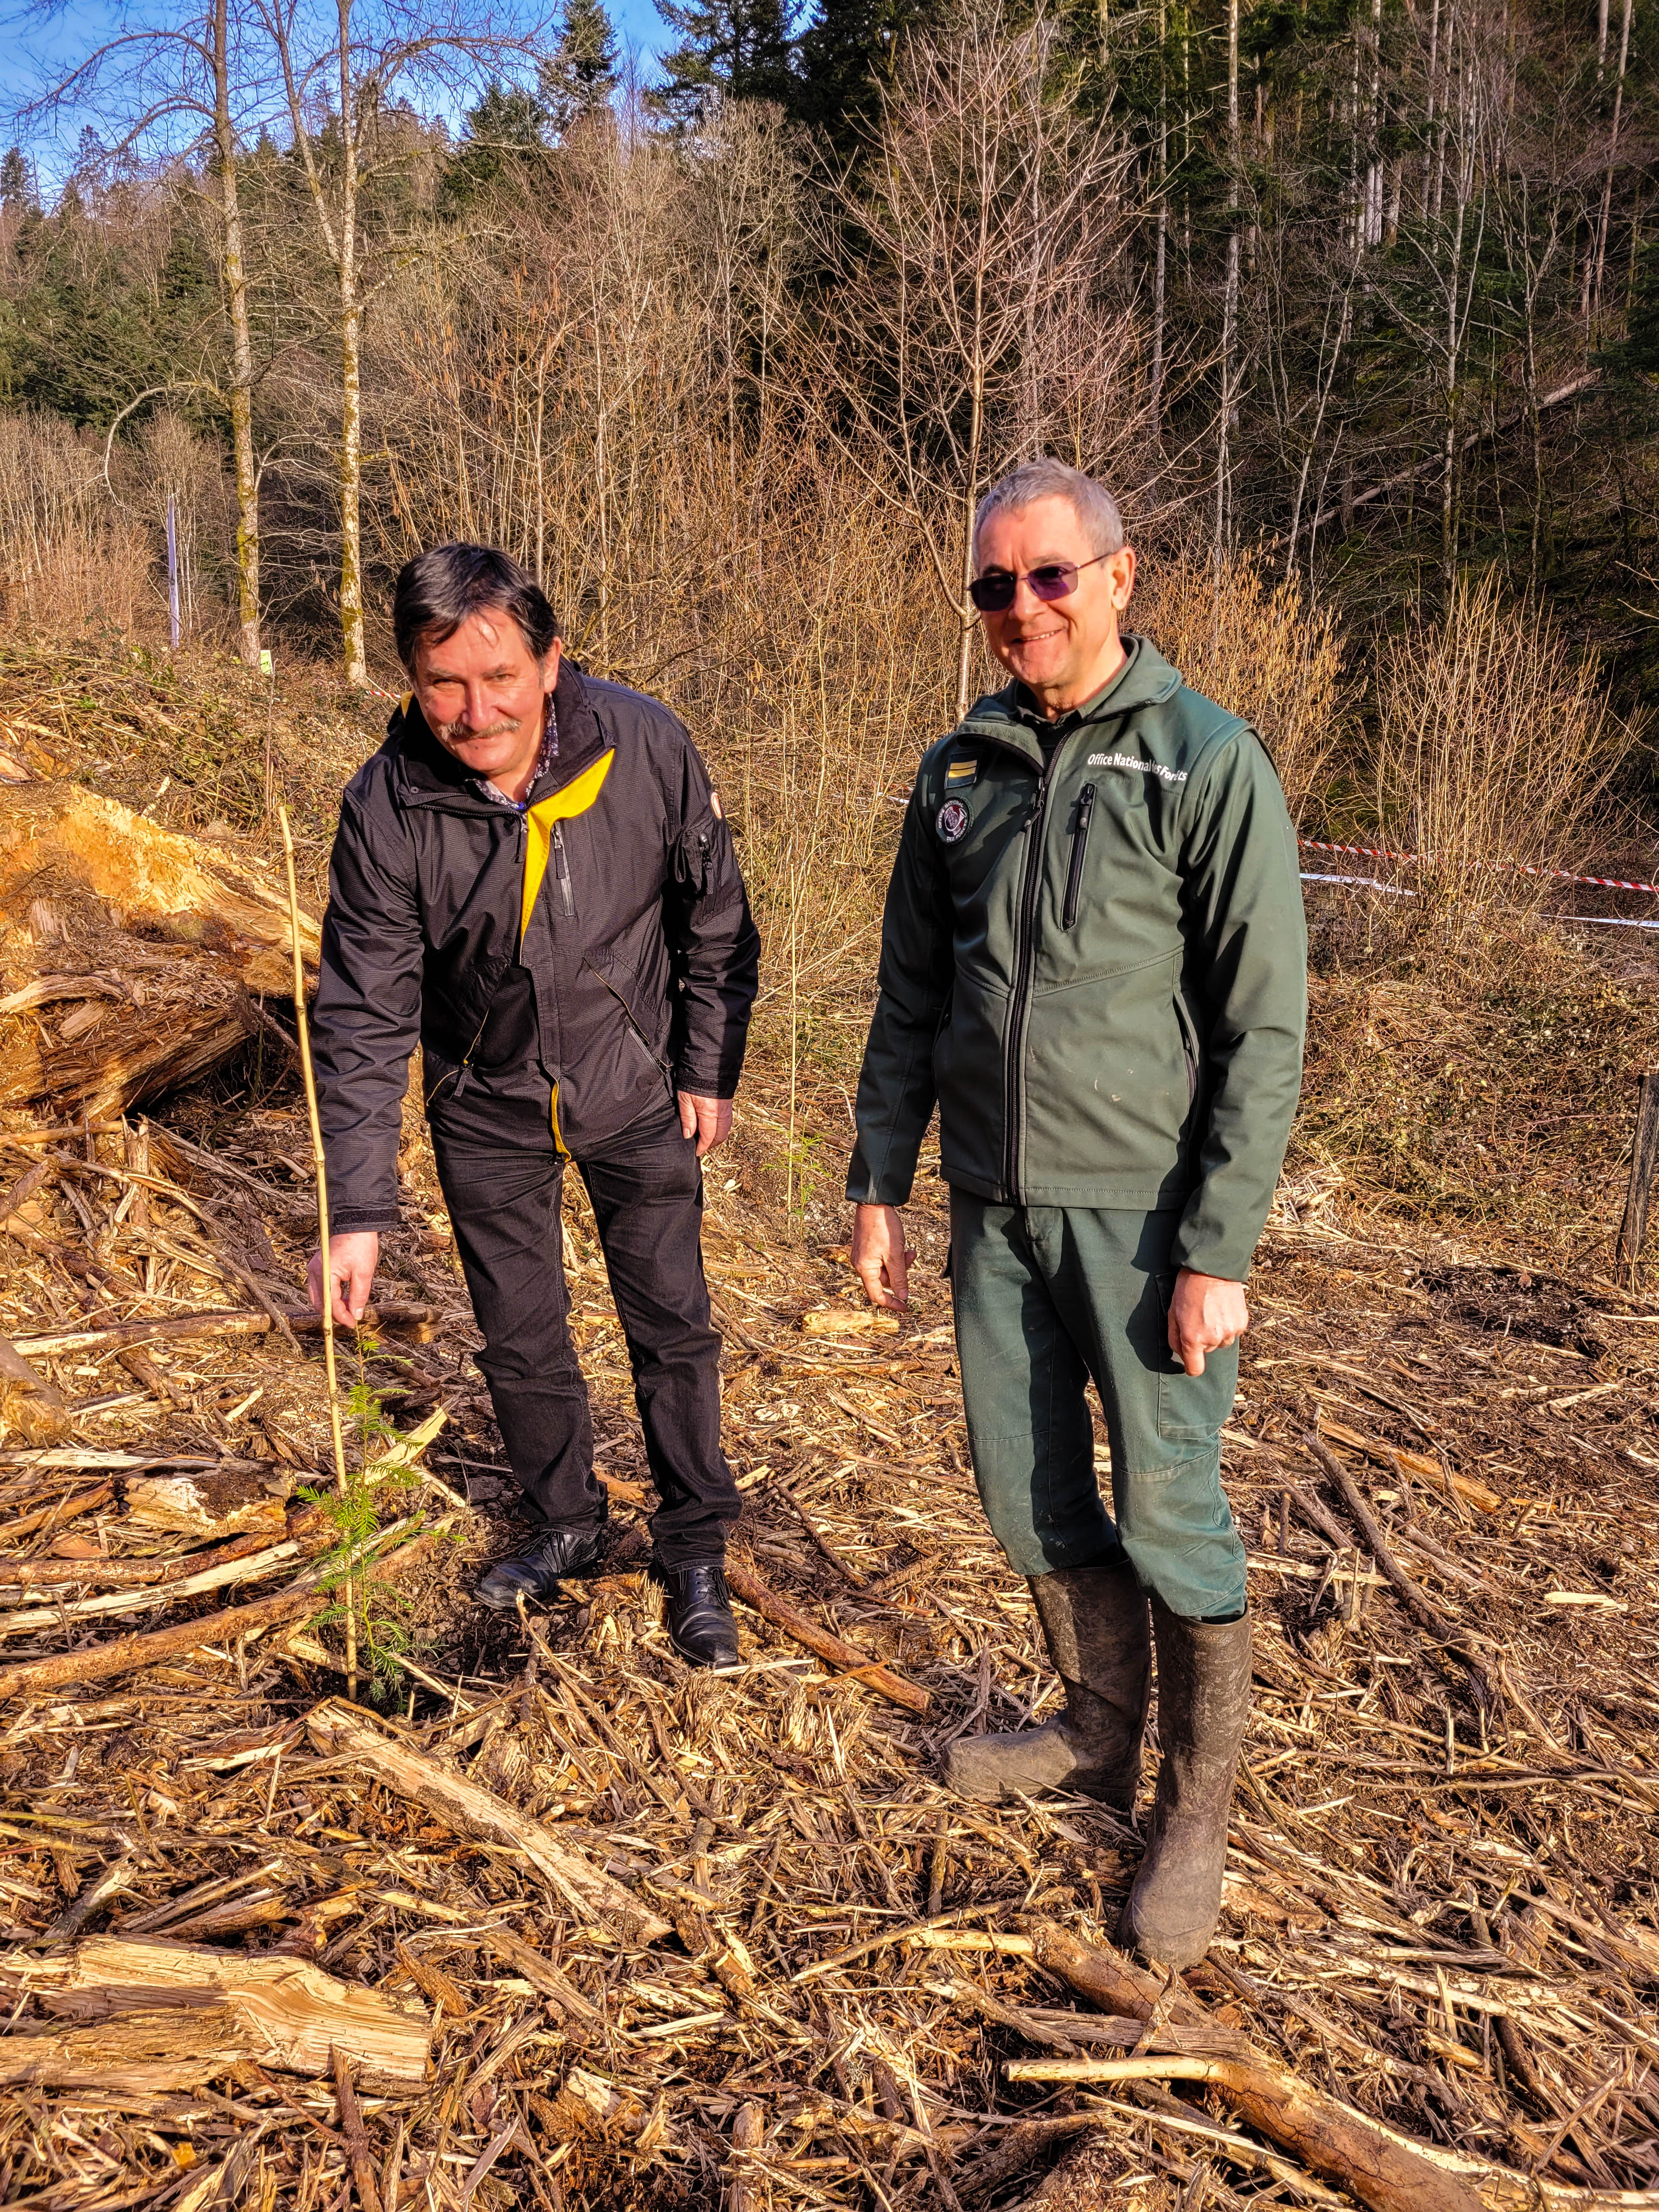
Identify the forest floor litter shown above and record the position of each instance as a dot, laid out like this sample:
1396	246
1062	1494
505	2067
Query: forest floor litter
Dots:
560	1919
536	1915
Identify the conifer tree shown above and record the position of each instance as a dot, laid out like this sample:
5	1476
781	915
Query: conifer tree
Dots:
579	76
16	185
507	125
739	49
846	51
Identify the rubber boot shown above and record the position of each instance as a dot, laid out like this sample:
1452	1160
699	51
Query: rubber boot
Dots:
1203	1699
1095	1621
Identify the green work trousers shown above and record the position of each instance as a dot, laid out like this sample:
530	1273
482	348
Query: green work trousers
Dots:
1048	1297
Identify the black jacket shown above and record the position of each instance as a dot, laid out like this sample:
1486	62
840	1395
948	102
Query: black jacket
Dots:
595	950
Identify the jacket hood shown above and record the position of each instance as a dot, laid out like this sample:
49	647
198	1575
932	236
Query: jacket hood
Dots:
427	774
1145	679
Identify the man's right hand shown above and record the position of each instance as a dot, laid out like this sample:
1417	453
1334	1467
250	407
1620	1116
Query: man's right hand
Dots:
881	1259
352	1259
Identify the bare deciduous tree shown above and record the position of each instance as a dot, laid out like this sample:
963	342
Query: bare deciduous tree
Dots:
343	74
186	91
980	309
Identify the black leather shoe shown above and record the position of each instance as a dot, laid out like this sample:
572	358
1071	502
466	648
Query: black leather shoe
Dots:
537	1572
700	1623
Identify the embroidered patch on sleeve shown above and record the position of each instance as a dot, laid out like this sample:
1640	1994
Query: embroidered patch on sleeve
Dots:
962	772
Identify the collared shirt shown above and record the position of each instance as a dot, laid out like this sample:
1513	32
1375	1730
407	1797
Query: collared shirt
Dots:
1052	733
544	760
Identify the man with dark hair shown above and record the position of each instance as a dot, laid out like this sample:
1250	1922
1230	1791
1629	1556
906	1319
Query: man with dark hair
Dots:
532	878
1093	959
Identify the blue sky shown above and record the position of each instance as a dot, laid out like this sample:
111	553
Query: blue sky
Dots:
43	43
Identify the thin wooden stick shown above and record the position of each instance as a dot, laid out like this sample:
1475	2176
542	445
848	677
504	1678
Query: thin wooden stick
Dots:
322	1222
1427	1615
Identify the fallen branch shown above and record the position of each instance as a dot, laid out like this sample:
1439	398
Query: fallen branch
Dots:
358	2151
286	2012
1378	2166
471	1810
833	1650
239	1570
53	1516
1427	1615
29	1677
393	1314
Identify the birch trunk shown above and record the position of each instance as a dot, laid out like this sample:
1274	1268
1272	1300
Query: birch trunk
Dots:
1230	305
1613	157
351	572
241	347
1160	277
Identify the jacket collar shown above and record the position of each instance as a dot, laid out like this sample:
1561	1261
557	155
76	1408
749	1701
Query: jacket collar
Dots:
426	775
1007	718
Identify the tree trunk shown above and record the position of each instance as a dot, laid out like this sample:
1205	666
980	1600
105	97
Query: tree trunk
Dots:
1613	157
1160	268
1230	305
241	348
351	429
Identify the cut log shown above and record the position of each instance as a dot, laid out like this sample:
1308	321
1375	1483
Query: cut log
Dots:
245	1496
470	1810
162	936
288	2012
144	2054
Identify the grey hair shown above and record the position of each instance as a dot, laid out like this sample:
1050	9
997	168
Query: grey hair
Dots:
1044	478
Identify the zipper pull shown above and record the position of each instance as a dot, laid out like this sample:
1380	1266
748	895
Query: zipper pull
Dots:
463	1078
561	869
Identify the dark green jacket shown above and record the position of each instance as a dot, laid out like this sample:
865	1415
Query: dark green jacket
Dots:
1096	967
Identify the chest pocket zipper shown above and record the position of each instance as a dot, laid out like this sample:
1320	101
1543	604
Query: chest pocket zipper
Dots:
1085	807
561	871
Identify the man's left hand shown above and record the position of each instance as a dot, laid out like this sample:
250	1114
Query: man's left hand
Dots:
707	1119
1207	1313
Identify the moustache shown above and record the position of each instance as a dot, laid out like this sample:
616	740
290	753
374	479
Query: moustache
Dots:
457	734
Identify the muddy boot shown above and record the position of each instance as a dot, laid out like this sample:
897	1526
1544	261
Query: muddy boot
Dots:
1203	1697
1095	1621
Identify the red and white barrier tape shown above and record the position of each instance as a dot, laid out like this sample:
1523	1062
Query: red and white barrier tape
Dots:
1373	851
1520	867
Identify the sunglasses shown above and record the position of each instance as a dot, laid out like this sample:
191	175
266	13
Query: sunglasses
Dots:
993	593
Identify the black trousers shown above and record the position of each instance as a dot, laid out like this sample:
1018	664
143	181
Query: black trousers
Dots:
503	1178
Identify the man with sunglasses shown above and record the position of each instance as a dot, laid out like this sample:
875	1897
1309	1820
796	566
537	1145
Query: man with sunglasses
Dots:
1093	959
